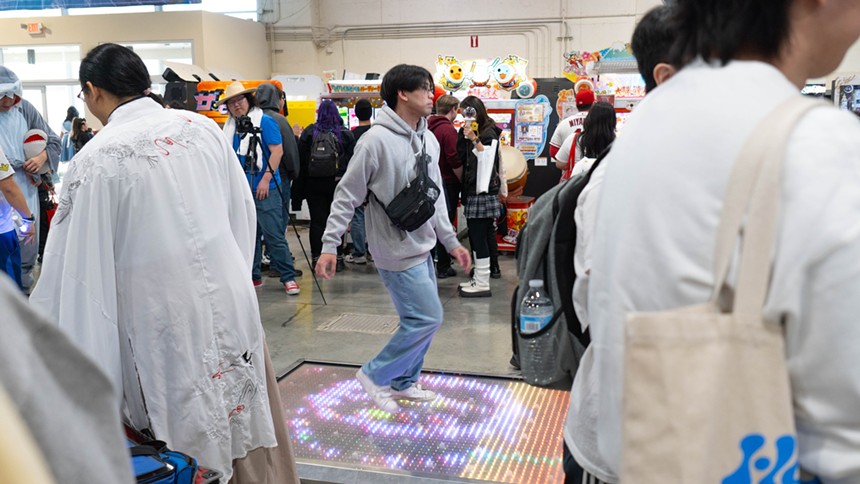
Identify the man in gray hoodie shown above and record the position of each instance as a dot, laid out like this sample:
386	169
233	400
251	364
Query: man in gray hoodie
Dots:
385	159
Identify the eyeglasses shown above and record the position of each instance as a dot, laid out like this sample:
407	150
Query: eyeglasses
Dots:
10	95
81	95
235	101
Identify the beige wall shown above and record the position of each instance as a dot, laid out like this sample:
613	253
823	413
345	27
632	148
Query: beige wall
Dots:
316	35
91	30
236	46
361	35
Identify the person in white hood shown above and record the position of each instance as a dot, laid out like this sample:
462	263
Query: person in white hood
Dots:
385	159
17	117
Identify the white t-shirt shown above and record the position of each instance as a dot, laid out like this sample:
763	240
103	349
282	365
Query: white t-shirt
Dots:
662	196
566	127
6	210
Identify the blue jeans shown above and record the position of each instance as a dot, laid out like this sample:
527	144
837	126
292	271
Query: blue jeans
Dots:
10	256
416	298
270	224
356	231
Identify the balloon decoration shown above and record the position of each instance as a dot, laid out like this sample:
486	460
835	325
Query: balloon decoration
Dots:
505	74
583	85
438	91
453	75
508	72
527	88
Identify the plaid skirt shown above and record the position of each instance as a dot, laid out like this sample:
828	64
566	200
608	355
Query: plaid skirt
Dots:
482	206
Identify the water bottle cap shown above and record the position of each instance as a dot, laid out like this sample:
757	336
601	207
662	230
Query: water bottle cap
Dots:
535	283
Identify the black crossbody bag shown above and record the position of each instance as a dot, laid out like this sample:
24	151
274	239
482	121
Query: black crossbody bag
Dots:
416	203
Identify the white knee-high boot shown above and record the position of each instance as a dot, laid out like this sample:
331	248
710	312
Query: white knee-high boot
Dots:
480	284
472	277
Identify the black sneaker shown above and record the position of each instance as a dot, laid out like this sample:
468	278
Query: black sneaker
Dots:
446	273
495	272
340	266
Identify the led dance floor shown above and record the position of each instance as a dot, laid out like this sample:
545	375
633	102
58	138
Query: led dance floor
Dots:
480	428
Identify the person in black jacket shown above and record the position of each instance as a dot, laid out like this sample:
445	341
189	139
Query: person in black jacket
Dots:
271	99
319	191
481	204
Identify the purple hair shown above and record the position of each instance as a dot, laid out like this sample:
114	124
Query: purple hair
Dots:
328	119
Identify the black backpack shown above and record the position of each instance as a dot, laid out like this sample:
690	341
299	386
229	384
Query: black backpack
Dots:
325	153
545	249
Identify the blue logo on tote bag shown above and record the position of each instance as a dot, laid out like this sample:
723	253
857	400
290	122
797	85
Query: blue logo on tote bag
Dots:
758	460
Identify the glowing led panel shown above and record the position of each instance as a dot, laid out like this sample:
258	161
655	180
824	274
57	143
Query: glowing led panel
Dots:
488	429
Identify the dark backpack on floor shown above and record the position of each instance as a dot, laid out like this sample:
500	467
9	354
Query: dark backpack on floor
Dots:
545	251
324	157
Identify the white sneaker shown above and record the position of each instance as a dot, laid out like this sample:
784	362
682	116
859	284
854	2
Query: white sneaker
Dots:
356	260
381	395
416	393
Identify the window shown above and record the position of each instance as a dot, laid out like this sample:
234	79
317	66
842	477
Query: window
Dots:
154	54
42	62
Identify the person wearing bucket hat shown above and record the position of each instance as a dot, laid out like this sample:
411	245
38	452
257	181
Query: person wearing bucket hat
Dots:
572	124
264	179
17	117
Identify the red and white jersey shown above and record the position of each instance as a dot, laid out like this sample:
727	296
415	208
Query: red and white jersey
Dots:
566	127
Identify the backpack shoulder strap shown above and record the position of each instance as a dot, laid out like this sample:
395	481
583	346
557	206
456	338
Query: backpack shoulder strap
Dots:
571	157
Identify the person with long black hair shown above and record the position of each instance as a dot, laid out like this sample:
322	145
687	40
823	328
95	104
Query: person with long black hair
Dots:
81	134
67	148
598	132
146	271
317	186
481	204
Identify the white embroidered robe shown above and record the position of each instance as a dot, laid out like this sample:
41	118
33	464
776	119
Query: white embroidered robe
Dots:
148	270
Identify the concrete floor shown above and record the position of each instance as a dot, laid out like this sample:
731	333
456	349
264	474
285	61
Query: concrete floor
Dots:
475	337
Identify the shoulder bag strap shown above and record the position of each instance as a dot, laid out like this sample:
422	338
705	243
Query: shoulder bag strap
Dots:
753	192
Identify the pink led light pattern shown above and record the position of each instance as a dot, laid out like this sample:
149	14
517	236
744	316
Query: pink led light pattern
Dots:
479	428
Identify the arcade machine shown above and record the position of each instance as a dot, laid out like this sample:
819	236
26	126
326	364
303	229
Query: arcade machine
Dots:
523	122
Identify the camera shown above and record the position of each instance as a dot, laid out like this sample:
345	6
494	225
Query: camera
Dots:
244	126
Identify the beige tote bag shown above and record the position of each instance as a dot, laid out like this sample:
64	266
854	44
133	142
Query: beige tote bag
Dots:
21	460
706	392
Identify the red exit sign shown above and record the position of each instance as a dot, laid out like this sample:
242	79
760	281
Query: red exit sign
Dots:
34	28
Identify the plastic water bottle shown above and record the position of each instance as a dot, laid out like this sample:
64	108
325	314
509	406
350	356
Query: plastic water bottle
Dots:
21	225
538	354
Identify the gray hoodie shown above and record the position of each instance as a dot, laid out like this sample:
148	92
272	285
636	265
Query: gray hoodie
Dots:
383	162
269	98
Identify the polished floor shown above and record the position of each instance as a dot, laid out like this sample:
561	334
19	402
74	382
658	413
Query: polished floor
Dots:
478	429
475	337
